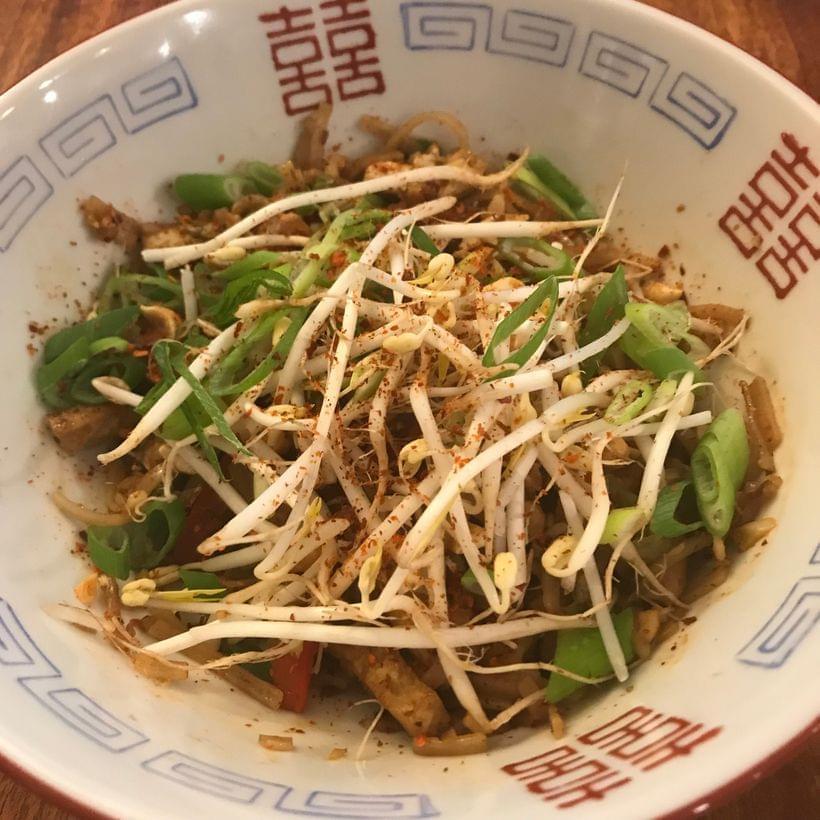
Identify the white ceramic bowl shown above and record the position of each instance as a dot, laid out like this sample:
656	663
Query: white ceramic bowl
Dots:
593	84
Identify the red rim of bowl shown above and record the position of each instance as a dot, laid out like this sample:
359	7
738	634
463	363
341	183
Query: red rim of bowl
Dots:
715	797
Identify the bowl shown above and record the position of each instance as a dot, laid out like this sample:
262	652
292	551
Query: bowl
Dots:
722	163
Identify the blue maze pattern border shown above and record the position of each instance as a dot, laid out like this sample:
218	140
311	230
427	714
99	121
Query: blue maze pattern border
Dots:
41	678
163	91
36	674
681	98
243	790
23	190
789	626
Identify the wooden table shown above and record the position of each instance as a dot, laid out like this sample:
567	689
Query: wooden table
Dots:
783	33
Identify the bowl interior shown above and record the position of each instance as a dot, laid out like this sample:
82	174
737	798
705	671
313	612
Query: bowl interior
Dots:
720	161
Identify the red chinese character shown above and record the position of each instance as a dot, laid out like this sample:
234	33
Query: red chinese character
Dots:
297	57
648	739
799	159
780	265
284	21
746	222
352	43
566	777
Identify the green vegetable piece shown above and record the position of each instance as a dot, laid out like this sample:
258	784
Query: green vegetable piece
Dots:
51	378
539	178
628	402
618	522
118	551
208	192
176	357
154	537
199	579
546	291
107	343
110	550
730	431
256	261
660	324
719	465
112	323
607	309
350	224
220	383
470	583
423	242
676	511
582	651
664	361
128	368
265	178
557	263
245	288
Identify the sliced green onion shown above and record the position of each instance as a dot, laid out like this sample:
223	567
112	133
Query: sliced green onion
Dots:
619	521
109	548
112	323
730	431
557	264
582	651
220	383
266	179
628	402
128	368
51	378
246	288
367	390
176	356
665	361
607	309
423	242
676	500
118	551
661	324
256	261
547	291
350	224
719	465
208	192
107	343
199	579
540	178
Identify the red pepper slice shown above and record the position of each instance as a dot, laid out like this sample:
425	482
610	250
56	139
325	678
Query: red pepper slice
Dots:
291	673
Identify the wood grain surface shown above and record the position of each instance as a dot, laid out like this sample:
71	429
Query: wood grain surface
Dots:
783	33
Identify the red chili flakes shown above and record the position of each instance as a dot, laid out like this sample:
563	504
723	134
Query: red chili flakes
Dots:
37	329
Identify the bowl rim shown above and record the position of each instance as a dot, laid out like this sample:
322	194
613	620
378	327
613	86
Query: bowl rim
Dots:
60	796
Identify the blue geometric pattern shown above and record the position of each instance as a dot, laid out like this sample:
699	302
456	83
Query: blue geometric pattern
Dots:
459	26
447	26
695	108
161	92
788	627
44	681
83	136
23	189
156	95
213	780
41	678
621	65
688	102
531	36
